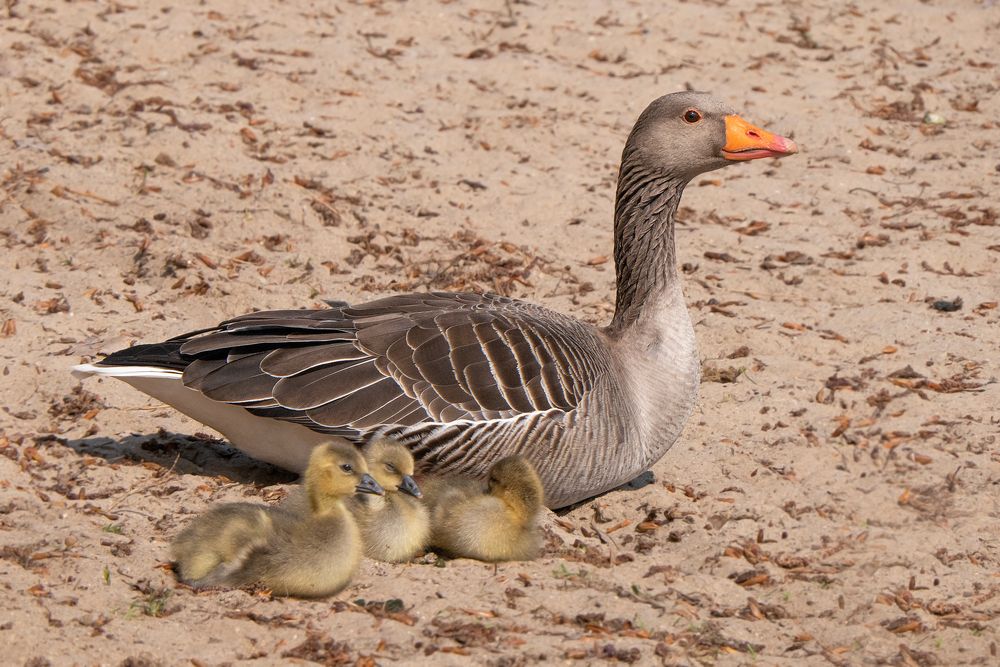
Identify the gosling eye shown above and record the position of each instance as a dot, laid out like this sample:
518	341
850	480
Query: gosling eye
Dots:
347	467
692	116
391	469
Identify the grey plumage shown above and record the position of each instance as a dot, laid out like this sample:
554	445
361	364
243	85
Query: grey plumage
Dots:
467	379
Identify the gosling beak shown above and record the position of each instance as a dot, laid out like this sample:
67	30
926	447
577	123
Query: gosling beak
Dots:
369	485
748	142
410	487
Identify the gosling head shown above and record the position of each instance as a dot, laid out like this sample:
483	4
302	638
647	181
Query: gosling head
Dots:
515	481
336	471
391	464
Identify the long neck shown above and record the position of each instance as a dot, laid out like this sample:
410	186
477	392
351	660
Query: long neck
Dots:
645	257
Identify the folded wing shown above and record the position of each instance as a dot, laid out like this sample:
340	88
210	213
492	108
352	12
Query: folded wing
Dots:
403	360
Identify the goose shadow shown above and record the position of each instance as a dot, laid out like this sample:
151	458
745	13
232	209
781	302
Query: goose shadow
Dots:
211	457
185	455
639	481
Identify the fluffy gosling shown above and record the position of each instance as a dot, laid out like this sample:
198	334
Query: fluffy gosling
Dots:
395	527
305	554
495	524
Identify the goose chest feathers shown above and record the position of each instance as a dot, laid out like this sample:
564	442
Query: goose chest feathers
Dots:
464	380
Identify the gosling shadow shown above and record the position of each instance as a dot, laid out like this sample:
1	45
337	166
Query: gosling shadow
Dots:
186	454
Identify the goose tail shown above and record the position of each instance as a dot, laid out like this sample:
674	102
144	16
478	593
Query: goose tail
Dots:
87	370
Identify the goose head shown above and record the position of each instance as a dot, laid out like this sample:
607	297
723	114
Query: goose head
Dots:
392	466
684	134
516	483
335	472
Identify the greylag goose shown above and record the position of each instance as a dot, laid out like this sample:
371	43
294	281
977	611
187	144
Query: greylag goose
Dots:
395	527
308	554
464	380
495	522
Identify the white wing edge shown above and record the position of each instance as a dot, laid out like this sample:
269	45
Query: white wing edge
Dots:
86	370
281	443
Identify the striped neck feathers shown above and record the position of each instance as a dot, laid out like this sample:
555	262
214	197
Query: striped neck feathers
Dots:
645	255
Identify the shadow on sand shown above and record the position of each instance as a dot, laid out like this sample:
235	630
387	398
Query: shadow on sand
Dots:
201	454
641	480
188	455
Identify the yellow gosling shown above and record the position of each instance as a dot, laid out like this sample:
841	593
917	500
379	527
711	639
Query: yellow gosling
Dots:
395	527
497	523
305	554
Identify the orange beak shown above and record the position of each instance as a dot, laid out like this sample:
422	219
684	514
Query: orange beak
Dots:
747	142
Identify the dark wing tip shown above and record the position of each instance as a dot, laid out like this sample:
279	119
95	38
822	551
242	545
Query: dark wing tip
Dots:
162	355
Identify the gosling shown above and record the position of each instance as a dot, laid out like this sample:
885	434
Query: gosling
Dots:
495	524
309	554
395	527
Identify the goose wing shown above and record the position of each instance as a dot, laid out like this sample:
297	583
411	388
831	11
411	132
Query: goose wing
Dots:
402	360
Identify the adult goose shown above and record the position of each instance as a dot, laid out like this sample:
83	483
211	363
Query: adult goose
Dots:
465	380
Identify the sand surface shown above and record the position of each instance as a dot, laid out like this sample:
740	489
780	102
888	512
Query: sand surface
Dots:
835	499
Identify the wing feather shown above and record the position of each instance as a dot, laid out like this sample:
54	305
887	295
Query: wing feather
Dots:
389	413
452	393
354	407
417	336
465	355
377	337
414	416
433	359
483	386
238	381
318	386
199	368
225	340
503	362
461	335
287	361
452	413
400	355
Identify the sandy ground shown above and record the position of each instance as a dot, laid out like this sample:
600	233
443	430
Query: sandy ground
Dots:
834	500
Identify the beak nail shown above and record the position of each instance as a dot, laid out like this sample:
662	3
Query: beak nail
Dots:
369	485
409	486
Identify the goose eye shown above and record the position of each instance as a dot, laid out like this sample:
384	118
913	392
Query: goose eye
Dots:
692	116
347	467
390	468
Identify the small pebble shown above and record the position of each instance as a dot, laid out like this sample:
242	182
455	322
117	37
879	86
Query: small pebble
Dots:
948	306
